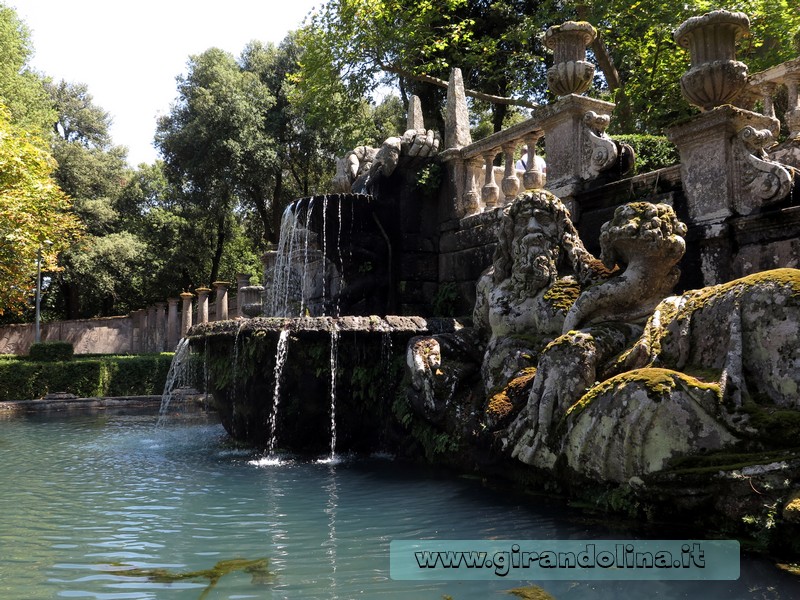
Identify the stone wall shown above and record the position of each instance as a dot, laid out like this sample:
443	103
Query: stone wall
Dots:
111	335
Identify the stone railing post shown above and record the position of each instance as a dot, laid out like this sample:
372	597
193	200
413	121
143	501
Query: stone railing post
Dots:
793	105
202	304
533	178
221	299
724	168
489	192
510	183
186	312
173	330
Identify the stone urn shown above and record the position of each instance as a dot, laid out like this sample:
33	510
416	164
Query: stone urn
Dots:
252	303
571	73
715	77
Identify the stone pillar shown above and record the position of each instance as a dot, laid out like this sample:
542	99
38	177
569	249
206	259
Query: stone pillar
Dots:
186	313
414	120
173	331
570	141
161	327
456	133
242	280
725	174
510	184
138	334
221	299
793	106
202	304
152	329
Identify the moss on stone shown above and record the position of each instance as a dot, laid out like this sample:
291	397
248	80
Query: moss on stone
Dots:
659	381
563	294
777	427
503	403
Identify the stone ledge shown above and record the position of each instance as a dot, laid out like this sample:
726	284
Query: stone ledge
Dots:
62	404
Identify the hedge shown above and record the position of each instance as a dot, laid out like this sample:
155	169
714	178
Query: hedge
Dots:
136	375
51	351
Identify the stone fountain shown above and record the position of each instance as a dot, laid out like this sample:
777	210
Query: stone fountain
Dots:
640	353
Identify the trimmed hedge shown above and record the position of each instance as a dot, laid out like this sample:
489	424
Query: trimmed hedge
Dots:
139	375
51	351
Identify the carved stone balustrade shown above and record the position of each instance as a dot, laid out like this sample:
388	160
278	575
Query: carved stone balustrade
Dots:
764	86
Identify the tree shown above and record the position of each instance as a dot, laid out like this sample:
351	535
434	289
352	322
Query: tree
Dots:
21	90
92	171
33	211
214	144
495	43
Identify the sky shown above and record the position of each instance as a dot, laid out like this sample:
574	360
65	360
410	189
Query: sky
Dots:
130	52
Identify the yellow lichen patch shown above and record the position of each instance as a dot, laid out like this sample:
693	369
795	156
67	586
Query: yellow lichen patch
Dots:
791	512
499	406
562	294
658	381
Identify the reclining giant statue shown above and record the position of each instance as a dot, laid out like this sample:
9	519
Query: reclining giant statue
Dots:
591	365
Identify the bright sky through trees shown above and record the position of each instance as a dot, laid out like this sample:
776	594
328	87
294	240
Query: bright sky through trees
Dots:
129	53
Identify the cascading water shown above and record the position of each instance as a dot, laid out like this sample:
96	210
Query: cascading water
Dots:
177	377
280	360
334	360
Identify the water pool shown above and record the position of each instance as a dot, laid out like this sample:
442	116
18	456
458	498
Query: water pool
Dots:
91	505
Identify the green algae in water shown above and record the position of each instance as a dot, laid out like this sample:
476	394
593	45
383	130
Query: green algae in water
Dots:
258	568
530	592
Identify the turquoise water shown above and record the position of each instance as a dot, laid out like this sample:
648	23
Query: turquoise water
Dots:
87	500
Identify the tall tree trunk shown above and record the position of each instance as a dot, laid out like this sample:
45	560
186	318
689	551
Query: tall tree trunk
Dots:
220	246
276	208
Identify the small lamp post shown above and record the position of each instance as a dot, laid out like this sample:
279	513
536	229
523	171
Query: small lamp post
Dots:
38	335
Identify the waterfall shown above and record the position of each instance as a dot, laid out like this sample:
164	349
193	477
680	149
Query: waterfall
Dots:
334	360
178	376
278	296
280	360
304	282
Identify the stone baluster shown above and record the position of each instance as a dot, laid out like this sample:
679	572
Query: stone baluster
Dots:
793	110
767	93
221	299
186	313
472	198
489	192
202	304
533	178
172	323
510	180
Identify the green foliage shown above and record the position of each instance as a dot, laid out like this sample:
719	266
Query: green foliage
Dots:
85	377
653	152
445	302
32	211
21	90
51	351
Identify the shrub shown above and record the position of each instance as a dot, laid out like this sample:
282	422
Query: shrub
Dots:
140	375
653	152
51	351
